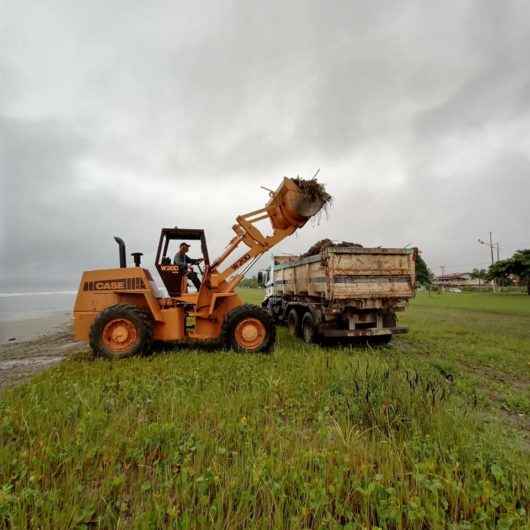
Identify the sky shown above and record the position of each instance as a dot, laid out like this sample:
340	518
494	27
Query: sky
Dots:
122	117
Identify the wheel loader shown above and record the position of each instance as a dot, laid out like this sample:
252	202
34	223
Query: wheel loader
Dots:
121	312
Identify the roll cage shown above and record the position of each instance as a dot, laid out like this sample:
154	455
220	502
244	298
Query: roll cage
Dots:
170	274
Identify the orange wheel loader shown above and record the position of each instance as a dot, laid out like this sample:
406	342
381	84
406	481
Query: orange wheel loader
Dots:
120	312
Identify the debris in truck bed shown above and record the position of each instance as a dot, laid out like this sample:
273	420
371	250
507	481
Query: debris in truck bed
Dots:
325	243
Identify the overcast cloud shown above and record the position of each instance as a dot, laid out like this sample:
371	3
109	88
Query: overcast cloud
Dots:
120	117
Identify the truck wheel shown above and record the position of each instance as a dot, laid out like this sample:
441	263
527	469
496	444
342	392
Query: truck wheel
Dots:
274	310
309	331
249	328
293	323
277	313
121	330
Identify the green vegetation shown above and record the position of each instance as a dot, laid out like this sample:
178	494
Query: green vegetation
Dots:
249	283
483	341
480	274
516	267
475	302
428	433
424	275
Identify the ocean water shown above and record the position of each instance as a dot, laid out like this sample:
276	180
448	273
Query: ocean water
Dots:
23	306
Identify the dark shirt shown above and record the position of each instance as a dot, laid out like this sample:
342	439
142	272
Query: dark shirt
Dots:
184	260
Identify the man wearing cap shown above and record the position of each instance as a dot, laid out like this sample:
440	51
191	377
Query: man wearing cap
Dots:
184	261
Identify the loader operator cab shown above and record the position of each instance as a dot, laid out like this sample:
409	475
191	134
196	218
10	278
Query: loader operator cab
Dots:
173	276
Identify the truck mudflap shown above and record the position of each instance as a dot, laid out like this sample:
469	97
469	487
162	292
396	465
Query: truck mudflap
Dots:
371	332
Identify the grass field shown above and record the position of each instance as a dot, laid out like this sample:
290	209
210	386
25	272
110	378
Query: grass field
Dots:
431	432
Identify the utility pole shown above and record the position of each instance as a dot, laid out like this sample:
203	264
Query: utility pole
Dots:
491	244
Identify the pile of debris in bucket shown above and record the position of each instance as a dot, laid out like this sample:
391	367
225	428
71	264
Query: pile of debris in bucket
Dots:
313	190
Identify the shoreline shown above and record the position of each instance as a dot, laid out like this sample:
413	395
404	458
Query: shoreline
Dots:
40	344
33	327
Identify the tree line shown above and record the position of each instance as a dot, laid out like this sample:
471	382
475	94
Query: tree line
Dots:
516	268
505	272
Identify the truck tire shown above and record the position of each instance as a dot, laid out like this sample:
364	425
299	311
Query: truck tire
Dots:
274	309
120	331
293	323
308	328
249	328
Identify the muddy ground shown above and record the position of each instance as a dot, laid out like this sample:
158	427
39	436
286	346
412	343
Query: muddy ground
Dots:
20	360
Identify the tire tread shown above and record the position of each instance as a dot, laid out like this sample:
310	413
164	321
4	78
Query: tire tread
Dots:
248	310
122	311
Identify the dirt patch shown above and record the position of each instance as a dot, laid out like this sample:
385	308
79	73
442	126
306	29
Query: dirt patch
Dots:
20	360
30	361
491	376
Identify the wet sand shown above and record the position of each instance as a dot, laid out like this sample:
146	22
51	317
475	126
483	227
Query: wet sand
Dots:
31	328
40	343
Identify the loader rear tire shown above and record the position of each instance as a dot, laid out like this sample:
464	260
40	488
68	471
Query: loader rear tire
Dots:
249	328
120	331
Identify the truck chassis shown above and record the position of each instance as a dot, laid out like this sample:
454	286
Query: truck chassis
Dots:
313	319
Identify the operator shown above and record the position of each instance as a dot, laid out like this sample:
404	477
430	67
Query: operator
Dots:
184	261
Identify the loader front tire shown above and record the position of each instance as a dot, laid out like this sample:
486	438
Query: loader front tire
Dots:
249	328
120	331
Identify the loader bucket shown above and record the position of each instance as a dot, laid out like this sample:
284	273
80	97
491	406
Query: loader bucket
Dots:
295	202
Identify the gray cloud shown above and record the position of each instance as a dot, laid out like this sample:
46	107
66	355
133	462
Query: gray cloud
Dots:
122	117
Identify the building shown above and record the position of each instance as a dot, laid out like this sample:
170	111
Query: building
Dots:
459	280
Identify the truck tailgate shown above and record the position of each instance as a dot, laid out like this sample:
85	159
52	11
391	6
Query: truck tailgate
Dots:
370	272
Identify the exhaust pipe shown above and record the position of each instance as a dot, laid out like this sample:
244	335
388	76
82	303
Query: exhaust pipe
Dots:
123	258
137	256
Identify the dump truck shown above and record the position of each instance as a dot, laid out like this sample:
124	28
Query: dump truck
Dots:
341	291
121	312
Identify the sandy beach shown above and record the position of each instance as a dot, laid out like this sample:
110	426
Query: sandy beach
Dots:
38	344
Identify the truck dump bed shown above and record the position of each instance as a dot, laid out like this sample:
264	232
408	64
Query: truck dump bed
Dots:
343	273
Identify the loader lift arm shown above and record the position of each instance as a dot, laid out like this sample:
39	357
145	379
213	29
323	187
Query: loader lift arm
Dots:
251	236
288	209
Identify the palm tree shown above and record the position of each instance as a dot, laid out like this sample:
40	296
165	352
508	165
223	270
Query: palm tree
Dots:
480	275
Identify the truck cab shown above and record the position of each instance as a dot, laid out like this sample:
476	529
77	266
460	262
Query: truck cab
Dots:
266	281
